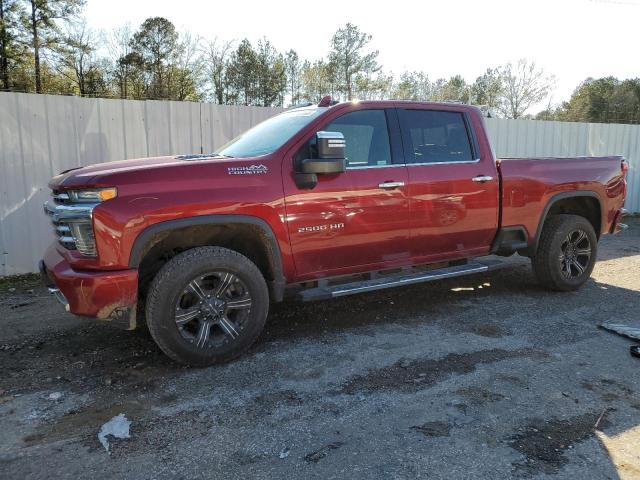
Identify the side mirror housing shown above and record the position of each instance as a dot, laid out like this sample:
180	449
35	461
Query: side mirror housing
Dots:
331	160
330	145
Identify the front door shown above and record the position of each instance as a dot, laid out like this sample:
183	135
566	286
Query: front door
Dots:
356	220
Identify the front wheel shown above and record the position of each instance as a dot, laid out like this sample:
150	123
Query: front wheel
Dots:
207	305
566	252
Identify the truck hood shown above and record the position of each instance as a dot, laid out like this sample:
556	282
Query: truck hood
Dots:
112	173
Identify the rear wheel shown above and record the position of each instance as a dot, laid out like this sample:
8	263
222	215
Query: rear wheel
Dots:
566	252
207	305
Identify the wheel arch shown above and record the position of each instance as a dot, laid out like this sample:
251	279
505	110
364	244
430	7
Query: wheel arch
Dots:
580	203
248	235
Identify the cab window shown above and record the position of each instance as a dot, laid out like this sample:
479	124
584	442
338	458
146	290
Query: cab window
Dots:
435	136
366	135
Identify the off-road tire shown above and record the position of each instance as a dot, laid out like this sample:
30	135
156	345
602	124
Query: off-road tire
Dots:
166	290
546	263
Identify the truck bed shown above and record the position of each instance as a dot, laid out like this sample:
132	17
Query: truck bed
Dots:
528	185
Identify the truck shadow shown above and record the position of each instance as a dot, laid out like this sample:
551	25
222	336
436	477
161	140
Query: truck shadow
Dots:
491	305
507	302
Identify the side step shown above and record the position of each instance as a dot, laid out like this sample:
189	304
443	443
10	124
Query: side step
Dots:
397	280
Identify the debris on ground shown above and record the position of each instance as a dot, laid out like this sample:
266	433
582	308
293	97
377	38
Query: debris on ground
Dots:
117	427
284	453
624	330
315	457
55	396
20	305
433	429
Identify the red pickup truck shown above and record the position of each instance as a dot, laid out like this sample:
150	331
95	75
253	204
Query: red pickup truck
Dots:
320	201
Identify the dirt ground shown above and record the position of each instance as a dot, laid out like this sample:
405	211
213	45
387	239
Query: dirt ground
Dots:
487	376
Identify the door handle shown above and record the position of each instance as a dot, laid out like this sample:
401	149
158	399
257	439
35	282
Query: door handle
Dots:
390	185
482	178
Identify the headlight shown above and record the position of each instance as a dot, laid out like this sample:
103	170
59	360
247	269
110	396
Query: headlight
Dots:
72	217
93	196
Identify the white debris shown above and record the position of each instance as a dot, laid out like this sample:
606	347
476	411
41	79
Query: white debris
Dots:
117	427
55	396
624	330
285	453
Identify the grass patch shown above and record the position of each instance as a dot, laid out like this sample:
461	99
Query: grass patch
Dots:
20	282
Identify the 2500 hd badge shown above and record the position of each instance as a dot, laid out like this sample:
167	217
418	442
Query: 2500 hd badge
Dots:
321	228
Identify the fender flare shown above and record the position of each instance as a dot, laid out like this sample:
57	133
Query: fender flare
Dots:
144	238
554	199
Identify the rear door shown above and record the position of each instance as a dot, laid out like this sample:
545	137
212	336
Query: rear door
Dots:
357	220
453	187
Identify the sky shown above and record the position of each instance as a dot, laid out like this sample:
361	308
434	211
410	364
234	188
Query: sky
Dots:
571	39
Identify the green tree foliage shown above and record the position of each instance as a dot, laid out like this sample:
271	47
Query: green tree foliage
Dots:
154	45
317	80
241	75
44	48
256	76
271	75
11	44
602	100
293	72
453	90
412	86
488	89
349	58
39	19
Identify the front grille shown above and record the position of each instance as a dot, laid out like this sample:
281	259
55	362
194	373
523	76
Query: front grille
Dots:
60	198
72	223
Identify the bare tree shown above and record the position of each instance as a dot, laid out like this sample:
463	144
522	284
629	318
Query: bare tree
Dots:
119	43
187	67
216	59
524	86
76	56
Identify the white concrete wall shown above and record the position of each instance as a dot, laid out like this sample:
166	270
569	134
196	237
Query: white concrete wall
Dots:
41	135
532	138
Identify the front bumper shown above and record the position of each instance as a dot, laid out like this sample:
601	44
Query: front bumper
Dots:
106	295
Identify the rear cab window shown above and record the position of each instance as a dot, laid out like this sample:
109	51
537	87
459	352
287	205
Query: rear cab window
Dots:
436	136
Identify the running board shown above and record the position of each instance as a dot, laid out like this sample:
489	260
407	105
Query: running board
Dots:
397	280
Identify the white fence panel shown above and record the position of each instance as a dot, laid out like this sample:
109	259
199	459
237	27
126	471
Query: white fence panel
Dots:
531	138
41	135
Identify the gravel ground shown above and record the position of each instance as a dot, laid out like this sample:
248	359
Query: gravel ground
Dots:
487	376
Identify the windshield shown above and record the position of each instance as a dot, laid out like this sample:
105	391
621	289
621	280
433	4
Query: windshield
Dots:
268	136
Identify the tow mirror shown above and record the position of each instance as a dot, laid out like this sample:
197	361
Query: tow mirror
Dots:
330	159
